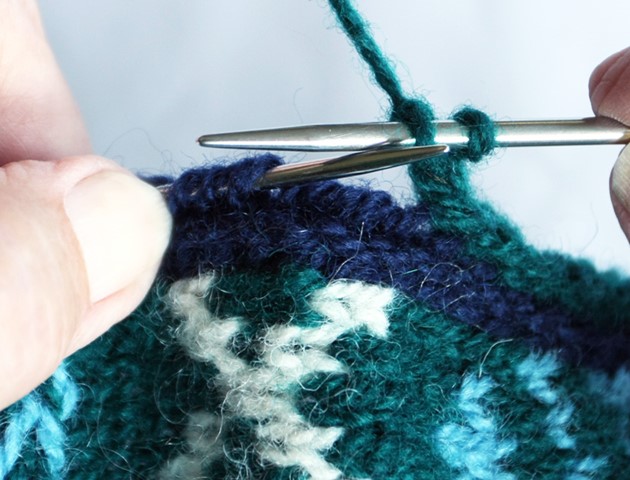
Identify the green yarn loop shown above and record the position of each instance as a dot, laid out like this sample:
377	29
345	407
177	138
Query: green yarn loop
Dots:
481	133
416	113
418	116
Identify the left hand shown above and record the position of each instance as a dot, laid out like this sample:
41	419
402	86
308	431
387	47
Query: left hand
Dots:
81	237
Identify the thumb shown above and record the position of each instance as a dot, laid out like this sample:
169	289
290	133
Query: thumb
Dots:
81	242
610	96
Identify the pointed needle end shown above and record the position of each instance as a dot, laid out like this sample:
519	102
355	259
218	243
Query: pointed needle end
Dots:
349	165
224	140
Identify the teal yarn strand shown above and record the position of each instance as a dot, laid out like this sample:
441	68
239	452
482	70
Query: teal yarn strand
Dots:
416	113
358	32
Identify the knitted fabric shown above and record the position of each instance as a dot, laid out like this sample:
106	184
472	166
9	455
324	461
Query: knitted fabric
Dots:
324	331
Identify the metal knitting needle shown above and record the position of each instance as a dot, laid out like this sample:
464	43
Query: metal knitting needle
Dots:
363	136
347	165
388	144
339	167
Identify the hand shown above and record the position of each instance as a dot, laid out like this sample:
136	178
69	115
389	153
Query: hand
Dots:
81	238
610	96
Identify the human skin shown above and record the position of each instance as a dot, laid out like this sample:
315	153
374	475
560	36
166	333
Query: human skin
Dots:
610	97
81	237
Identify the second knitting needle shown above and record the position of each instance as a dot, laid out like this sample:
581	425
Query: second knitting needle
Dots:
363	136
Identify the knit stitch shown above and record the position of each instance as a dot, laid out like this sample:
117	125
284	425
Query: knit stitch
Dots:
288	354
38	419
324	331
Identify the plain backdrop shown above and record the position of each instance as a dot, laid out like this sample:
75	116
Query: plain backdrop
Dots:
152	75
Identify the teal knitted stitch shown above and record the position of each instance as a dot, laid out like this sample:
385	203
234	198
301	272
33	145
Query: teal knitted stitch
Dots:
416	113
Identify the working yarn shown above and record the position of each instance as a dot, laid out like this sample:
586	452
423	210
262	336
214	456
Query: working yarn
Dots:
324	331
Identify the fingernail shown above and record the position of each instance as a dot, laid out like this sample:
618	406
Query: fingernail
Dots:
122	226
620	179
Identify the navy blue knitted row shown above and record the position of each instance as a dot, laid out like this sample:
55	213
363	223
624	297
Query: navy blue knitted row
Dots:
222	222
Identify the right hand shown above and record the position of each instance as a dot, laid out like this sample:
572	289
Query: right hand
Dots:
610	97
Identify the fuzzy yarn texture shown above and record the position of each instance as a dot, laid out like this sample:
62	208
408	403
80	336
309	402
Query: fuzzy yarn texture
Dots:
326	332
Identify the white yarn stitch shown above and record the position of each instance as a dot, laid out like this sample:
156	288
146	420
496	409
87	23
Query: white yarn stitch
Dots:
289	354
203	437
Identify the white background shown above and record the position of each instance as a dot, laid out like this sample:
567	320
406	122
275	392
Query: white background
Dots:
152	75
